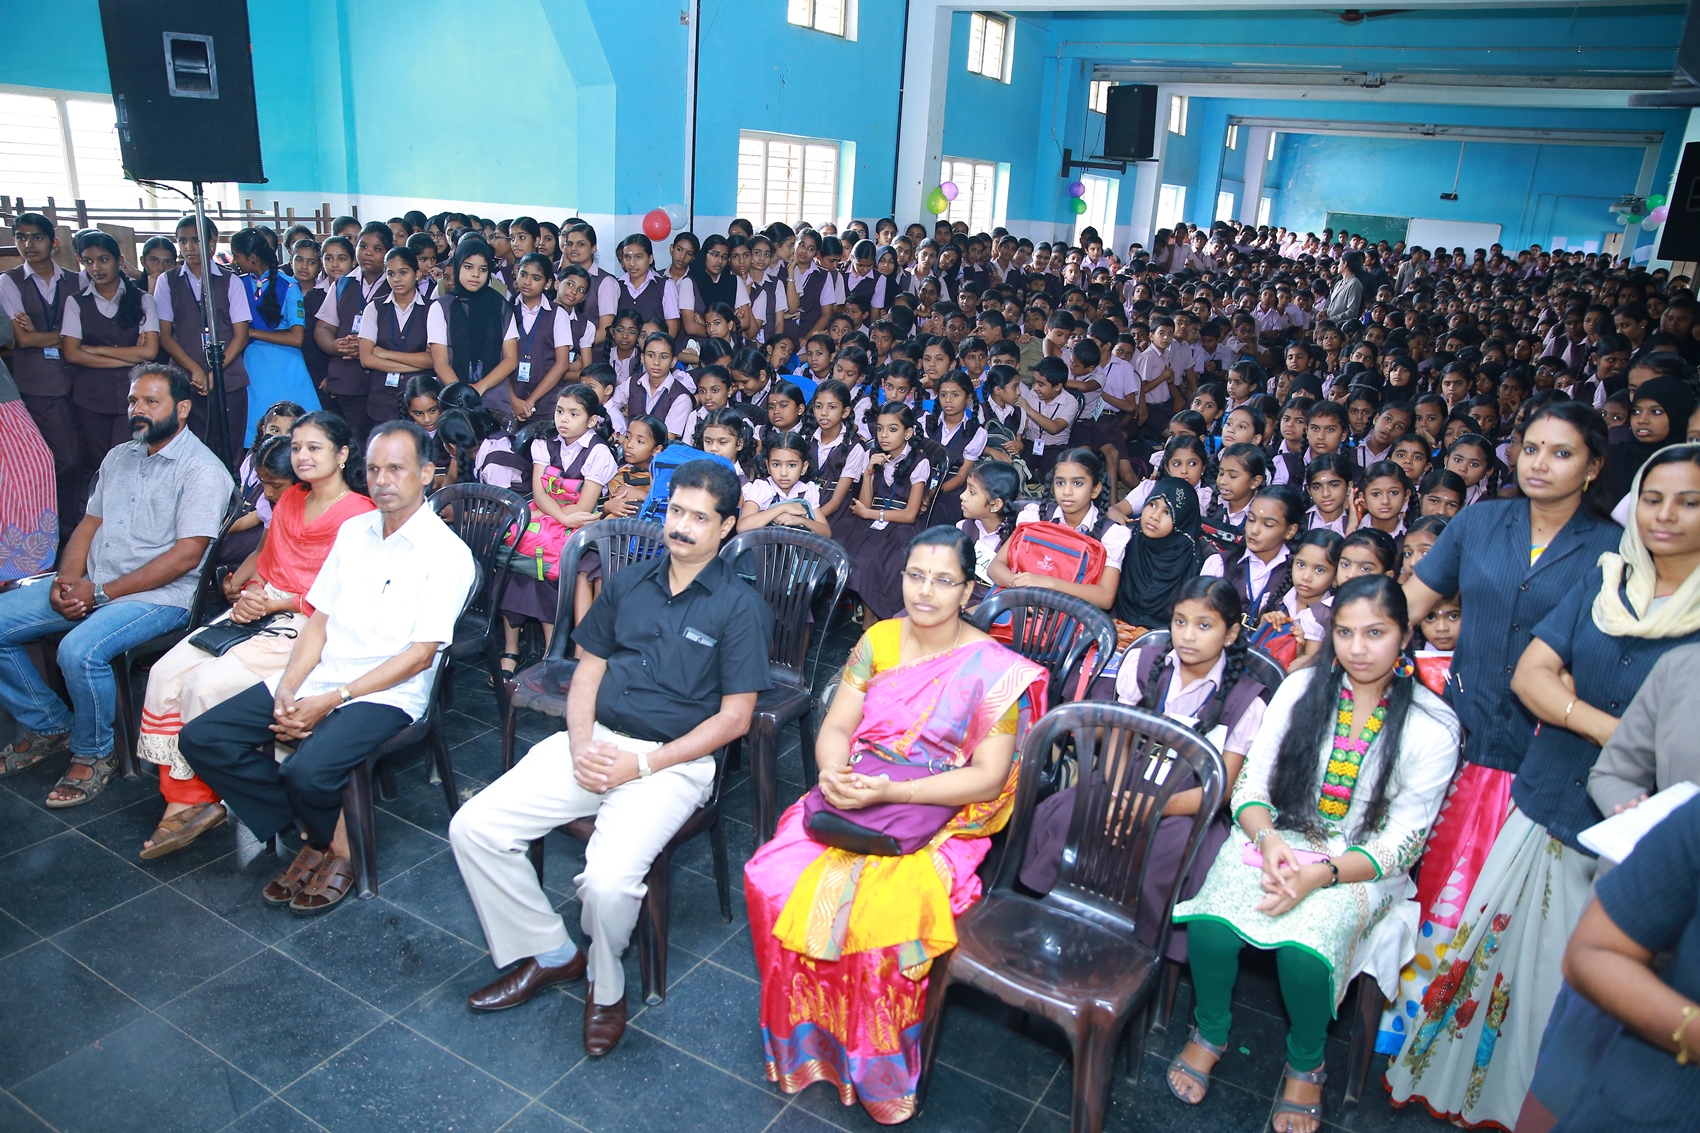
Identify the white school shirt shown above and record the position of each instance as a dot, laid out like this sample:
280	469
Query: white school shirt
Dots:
498	475
976	443
764	493
1189	699
369	317
677	414
1308	626
987	540
855	463
608	294
623	368
599	466
1270	322
12	303
327	309
1141	493
1277	467
1064	405
1259	572
519	315
1151	362
1114	538
381	595
1314	522
71	326
235	294
831	292
1120	378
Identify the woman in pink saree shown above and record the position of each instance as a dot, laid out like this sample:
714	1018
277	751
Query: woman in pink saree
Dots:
917	764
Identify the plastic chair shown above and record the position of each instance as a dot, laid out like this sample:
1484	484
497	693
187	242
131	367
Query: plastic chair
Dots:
357	792
543	687
653	913
792	570
1058	631
482	516
1074	956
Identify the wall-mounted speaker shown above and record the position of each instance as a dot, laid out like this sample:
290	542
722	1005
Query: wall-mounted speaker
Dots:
1130	123
183	87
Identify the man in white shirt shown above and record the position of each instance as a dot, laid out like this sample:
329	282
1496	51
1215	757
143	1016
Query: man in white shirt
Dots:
385	602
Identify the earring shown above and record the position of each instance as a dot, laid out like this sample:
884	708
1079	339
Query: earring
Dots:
1405	667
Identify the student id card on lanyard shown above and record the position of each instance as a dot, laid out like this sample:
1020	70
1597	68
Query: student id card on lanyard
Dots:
523	374
1254	598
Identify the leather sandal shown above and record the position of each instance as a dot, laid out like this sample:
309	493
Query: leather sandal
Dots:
103	770
1298	1109
1196	1075
30	749
506	674
331	882
178	830
281	890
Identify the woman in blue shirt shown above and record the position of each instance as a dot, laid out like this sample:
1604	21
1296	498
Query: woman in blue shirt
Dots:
1510	562
1577	677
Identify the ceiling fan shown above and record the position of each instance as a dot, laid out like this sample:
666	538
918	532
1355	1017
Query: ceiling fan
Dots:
1358	15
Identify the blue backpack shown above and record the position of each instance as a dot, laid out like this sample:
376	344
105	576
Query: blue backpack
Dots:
661	468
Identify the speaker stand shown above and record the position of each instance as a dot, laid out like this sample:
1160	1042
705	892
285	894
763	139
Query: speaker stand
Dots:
218	424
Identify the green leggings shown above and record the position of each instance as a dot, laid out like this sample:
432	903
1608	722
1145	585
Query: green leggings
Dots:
1213	951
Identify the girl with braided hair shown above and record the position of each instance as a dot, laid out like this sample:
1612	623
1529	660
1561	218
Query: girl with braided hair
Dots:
1201	681
1262	572
989	506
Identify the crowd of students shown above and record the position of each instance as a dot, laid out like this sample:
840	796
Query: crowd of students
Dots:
1450	492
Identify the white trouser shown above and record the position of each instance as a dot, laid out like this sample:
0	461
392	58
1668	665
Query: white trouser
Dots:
492	831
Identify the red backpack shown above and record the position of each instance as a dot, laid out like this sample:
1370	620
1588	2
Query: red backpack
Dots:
1056	551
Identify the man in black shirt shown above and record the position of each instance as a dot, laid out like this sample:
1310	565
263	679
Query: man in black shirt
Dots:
671	657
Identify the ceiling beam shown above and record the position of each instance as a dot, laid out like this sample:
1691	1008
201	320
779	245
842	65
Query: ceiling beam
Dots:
1377	80
1435	95
1529	135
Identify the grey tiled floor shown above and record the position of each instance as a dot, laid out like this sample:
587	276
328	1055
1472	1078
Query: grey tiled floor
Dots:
164	995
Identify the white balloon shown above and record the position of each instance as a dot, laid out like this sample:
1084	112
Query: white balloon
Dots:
676	214
1649	225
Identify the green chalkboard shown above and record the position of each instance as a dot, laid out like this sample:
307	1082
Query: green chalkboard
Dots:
1372	228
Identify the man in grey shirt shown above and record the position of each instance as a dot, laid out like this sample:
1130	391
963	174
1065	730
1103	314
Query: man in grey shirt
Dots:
127	575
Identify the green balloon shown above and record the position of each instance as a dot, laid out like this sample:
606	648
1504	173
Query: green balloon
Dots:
1078	205
936	202
1636	218
1656	199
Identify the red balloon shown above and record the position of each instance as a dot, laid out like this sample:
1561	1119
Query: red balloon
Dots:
656	226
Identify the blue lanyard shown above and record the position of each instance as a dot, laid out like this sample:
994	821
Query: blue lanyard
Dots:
525	336
1253	601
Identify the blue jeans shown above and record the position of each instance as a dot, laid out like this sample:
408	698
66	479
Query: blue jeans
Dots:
85	659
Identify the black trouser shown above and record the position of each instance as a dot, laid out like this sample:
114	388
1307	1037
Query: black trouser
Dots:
223	747
56	417
351	408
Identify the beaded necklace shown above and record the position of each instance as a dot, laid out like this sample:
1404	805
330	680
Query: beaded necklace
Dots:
1347	758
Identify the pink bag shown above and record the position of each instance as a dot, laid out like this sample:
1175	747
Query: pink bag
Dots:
542	540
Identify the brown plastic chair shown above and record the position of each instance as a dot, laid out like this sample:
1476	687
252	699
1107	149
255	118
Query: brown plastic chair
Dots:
1074	956
482	515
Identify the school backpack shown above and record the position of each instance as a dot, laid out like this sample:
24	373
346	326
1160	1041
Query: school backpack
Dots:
1057	551
661	468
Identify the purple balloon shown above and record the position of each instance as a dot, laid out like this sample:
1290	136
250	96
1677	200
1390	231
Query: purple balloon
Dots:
1077	188
1658	214
949	190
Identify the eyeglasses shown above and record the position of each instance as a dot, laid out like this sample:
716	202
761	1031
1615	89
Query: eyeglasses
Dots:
921	581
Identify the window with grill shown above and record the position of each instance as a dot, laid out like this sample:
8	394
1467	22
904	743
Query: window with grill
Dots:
976	203
1098	96
1233	135
988	46
1177	114
788	179
829	16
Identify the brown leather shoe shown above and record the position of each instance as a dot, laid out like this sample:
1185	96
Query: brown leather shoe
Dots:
603	1026
520	983
281	890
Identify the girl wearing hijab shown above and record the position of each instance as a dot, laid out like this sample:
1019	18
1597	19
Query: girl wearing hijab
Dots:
893	279
1577	676
1658	415
1163	554
465	325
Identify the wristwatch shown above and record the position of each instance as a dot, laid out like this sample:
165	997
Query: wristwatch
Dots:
644	770
100	598
345	694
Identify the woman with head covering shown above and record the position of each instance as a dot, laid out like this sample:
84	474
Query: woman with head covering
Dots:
1660	408
465	326
1162	555
1577	676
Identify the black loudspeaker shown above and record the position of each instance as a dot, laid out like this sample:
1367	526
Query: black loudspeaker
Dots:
1682	225
183	86
1130	123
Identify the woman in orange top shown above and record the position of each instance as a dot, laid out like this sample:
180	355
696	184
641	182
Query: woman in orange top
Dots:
306	514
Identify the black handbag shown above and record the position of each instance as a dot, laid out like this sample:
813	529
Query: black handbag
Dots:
221	637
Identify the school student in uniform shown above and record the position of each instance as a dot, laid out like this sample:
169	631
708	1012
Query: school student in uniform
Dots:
393	340
110	326
640	288
542	334
957	427
572	291
786	496
812	292
1051	411
276	370
709	281
306	258
601	295
656	389
465	327
33	296
182	328
348	384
